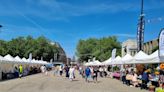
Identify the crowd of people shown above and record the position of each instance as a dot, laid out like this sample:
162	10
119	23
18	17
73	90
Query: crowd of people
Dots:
88	73
20	70
149	79
146	80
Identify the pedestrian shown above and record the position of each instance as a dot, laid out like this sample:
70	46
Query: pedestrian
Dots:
45	69
87	74
71	73
42	69
95	71
80	70
123	76
16	72
101	71
20	71
61	70
67	71
92	72
145	79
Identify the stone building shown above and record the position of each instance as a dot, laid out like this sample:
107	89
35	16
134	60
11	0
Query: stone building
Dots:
130	47
150	46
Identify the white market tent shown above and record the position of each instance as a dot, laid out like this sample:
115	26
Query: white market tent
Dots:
44	62
153	58
25	60
127	58
141	56
88	63
117	61
107	61
96	63
18	59
10	59
2	59
154	55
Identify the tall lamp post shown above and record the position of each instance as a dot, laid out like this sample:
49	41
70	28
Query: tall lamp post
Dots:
1	26
140	29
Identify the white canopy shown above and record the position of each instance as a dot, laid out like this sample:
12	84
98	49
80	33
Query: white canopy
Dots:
141	56
96	63
2	59
88	63
117	60
25	60
10	58
153	58
18	59
154	55
127	58
107	61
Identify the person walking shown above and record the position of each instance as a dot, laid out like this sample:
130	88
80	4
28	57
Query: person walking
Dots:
42	69
87	74
71	73
145	79
20	71
95	71
101	71
67	71
61	70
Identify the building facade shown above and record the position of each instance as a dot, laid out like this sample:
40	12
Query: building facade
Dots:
150	46
130	46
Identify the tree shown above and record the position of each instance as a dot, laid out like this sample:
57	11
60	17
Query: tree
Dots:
99	48
23	46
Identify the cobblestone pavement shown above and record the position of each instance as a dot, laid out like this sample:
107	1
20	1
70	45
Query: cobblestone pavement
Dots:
51	83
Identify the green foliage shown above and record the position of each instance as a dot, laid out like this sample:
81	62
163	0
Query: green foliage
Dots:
99	48
23	46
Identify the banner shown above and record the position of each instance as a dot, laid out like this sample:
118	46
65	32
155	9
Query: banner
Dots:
113	54
30	57
161	45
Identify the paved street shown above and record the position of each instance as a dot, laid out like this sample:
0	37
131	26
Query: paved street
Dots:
50	83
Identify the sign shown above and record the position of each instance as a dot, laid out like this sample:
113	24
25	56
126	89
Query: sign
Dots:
113	57
30	57
161	45
113	54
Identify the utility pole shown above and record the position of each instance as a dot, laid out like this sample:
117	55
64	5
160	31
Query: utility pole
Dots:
1	26
140	29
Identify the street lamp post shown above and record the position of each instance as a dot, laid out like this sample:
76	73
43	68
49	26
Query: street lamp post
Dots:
1	26
140	29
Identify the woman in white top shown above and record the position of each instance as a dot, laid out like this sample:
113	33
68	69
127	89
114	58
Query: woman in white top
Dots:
71	73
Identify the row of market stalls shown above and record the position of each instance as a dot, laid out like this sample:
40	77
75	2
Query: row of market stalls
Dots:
127	72
139	58
8	64
17	60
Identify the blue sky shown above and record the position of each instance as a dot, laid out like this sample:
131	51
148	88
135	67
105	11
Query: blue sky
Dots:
67	21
